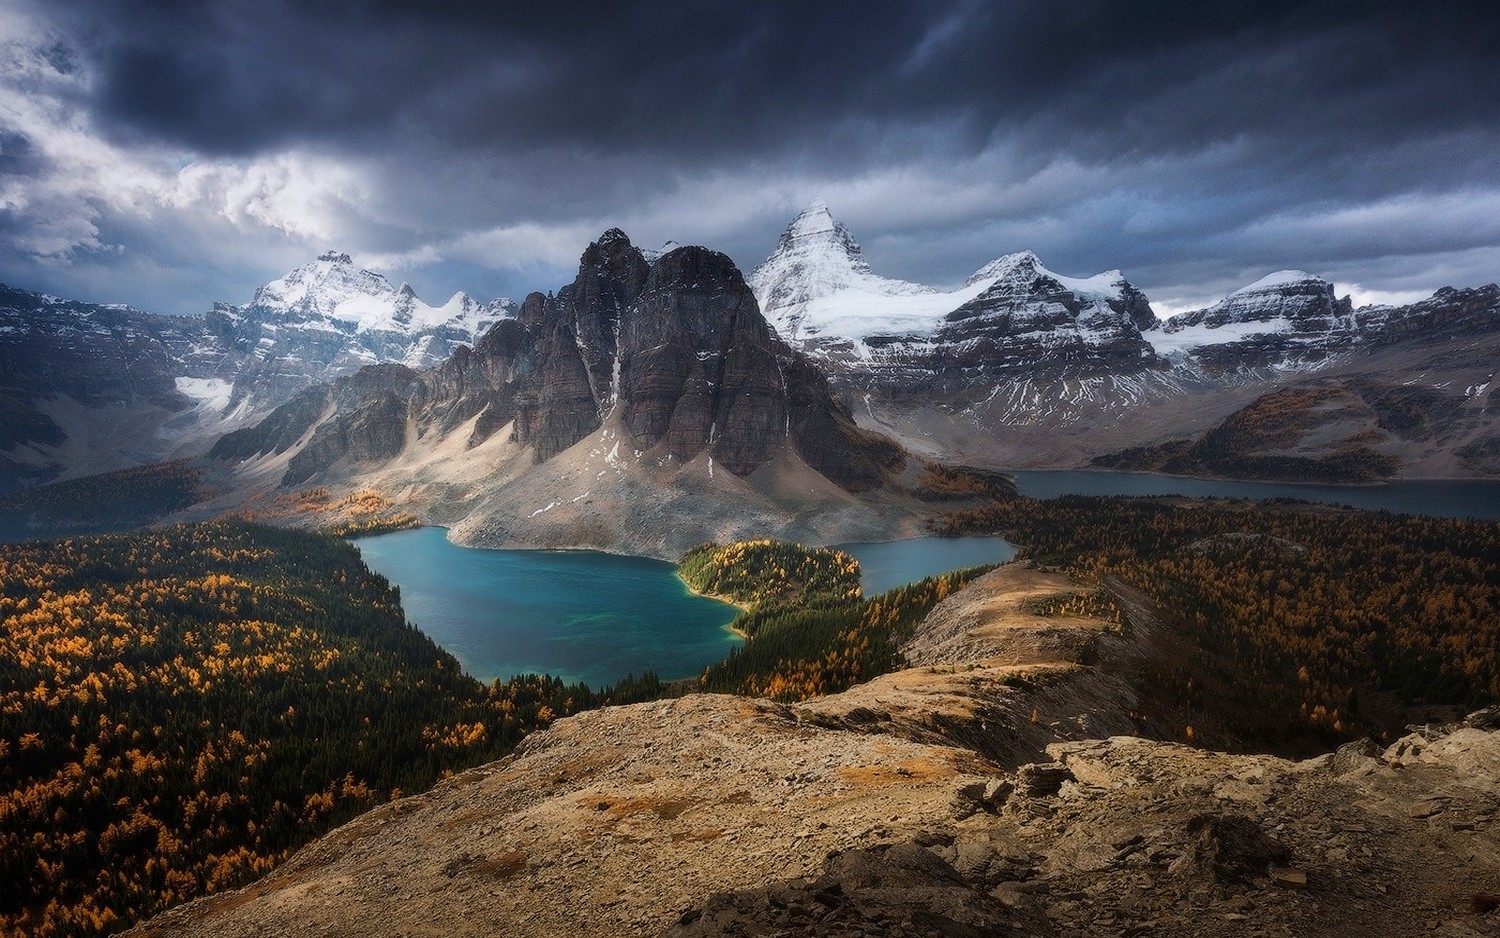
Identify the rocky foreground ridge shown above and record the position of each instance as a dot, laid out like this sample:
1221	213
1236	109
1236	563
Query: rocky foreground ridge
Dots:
993	787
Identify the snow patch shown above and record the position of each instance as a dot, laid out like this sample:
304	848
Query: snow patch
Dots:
209	393
1191	337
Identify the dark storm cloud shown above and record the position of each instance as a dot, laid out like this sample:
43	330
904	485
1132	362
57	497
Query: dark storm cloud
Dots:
697	80
1187	141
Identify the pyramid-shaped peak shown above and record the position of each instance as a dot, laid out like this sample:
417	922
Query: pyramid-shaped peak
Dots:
817	258
1021	262
816	221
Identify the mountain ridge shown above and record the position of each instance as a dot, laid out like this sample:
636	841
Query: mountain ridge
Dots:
993	786
1021	367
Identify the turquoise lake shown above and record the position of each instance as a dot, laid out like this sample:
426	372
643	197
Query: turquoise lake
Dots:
594	617
578	615
890	564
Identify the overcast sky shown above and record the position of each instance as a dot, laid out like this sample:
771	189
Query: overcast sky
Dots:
170	154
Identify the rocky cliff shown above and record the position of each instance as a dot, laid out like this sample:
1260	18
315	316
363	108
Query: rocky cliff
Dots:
988	789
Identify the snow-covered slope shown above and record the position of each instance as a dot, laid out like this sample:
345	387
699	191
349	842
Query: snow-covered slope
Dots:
817	283
1287	320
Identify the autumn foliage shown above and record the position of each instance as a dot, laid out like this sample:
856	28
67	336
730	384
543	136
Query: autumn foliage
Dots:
181	709
1300	609
828	639
763	572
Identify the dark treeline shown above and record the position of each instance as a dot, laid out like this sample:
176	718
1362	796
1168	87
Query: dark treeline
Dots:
180	709
111	501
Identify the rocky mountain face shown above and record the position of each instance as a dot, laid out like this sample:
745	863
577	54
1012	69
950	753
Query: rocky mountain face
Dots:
1026	367
631	376
86	387
94	388
995	786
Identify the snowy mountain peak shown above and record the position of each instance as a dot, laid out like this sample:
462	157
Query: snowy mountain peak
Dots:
1007	265
816	221
323	287
333	294
1280	279
1023	273
1289	318
821	241
816	262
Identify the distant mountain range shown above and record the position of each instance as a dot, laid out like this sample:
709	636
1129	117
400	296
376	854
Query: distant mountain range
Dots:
676	354
90	388
1025	367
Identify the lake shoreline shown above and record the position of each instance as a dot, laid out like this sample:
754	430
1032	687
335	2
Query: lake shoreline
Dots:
727	600
1452	498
